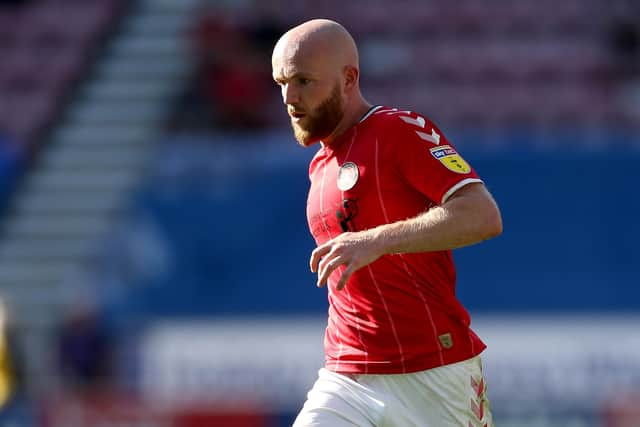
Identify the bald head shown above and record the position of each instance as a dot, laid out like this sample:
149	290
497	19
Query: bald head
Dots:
316	66
322	38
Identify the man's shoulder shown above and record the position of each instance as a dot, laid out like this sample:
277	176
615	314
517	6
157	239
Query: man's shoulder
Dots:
390	117
390	122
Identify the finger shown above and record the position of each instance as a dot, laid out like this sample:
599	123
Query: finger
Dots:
344	277
317	254
328	268
322	265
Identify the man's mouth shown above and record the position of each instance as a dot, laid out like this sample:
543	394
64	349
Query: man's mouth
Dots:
297	114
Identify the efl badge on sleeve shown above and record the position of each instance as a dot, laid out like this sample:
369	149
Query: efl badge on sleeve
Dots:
449	157
347	176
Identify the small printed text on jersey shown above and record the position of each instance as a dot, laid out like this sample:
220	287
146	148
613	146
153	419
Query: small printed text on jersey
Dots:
450	158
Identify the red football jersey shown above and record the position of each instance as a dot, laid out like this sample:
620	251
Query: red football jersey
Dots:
398	314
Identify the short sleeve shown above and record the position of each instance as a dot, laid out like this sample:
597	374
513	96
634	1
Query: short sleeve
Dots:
427	160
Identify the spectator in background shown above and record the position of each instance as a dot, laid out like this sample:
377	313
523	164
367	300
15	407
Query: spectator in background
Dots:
624	44
84	349
624	41
11	158
14	408
231	78
12	3
7	372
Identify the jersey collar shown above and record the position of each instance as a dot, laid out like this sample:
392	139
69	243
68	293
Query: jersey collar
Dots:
349	133
370	112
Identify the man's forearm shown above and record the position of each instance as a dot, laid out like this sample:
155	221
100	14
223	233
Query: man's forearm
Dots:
468	217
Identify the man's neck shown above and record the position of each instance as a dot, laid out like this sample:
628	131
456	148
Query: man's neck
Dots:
351	118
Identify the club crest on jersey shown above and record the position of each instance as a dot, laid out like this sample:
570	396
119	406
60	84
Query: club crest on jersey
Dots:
347	176
446	340
450	158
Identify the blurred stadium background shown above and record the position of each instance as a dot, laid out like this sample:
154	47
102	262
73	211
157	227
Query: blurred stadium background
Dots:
153	245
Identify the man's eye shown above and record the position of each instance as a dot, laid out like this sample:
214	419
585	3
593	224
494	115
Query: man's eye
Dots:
304	81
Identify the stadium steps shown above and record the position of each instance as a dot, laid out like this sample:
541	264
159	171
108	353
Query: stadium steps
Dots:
69	201
142	91
141	68
66	206
42	249
98	153
110	157
85	135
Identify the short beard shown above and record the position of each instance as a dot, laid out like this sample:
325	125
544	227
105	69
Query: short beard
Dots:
322	121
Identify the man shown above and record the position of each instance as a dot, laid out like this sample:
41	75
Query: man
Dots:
389	198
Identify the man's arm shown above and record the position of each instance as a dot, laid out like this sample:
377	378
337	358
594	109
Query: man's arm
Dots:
469	216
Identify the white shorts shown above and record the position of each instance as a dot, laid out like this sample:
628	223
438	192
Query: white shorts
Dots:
449	396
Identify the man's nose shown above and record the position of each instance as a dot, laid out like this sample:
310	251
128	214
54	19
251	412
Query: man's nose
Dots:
289	94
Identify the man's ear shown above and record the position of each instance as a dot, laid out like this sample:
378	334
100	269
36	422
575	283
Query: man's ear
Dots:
351	75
